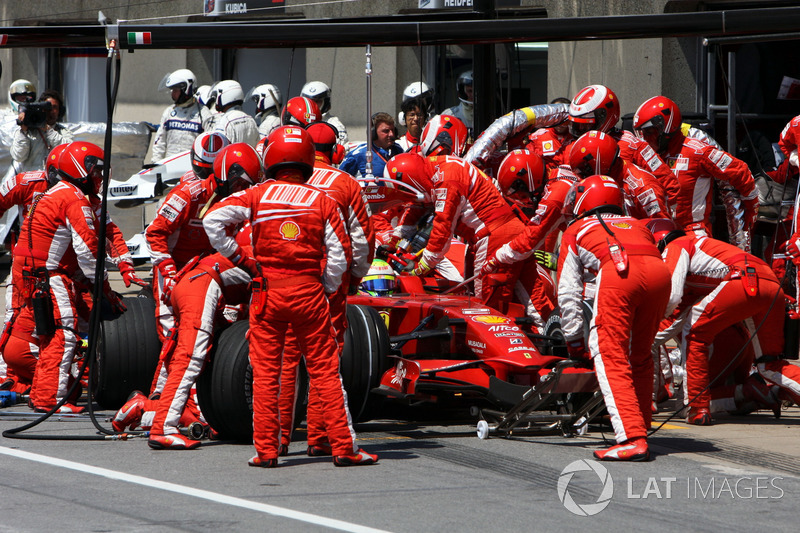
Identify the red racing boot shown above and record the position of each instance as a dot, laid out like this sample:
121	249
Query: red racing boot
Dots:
357	459
130	414
175	441
319	450
699	416
631	450
262	463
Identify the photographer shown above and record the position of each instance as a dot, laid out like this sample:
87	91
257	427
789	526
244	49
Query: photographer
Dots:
38	131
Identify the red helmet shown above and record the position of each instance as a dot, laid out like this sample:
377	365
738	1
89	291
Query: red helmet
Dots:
594	108
656	121
81	163
300	111
410	170
289	147
443	135
236	168
262	143
594	194
521	177
593	153
52	163
204	150
664	231
325	137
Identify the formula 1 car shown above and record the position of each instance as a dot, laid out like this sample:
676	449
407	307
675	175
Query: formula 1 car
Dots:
418	346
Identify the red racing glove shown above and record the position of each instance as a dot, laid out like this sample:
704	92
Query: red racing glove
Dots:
167	270
129	276
246	262
792	247
577	350
750	212
114	299
490	266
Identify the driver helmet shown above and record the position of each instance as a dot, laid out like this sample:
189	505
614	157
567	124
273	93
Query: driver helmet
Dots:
381	280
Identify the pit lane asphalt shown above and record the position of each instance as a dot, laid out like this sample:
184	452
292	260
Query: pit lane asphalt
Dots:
434	475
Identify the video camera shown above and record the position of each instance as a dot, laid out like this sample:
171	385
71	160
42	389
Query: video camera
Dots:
35	114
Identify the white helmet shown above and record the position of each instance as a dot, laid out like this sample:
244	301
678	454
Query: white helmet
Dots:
228	92
320	93
266	97
182	79
416	94
462	82
20	92
203	94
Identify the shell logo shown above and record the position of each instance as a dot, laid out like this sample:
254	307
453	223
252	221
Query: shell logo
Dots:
621	225
491	319
290	231
548	145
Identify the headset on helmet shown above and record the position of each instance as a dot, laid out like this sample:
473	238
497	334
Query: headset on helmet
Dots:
52	163
664	231
410	171
182	79
236	167
289	147
381	280
204	150
21	92
320	93
595	194
593	153
266	97
521	177
227	93
81	163
656	121
444	135
325	137
300	111
594	108
464	81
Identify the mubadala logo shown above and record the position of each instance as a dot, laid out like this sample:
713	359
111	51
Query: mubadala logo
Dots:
588	509
476	344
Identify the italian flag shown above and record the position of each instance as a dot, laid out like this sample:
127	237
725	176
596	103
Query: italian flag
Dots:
139	37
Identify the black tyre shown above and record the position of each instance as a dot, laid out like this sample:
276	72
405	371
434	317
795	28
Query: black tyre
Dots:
127	353
552	328
366	345
225	387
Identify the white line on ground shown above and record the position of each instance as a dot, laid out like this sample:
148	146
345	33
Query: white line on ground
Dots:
189	491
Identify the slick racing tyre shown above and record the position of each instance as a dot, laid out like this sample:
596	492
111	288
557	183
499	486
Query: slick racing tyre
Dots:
127	353
364	360
225	387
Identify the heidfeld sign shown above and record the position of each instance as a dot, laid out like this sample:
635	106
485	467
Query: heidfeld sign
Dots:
443	4
235	7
